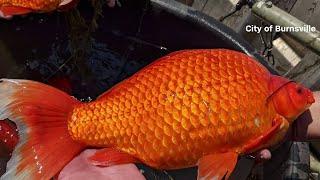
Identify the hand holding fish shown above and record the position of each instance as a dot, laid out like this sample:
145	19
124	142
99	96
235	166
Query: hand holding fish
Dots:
306	127
81	168
190	108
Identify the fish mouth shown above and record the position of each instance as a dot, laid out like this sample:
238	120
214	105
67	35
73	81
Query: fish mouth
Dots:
310	98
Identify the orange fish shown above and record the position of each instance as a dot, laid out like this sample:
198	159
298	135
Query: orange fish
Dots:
190	108
9	8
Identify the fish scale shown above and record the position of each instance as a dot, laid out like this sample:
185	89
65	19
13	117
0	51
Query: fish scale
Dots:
179	108
43	5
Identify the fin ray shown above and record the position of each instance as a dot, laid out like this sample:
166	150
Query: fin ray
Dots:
14	10
109	156
42	137
217	166
256	143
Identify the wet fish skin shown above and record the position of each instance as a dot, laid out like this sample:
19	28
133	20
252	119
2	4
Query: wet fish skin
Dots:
198	101
190	108
9	8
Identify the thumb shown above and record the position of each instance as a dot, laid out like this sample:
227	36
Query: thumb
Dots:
80	168
262	155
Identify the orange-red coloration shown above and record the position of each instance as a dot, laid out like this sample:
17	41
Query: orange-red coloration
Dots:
8	132
111	157
178	109
185	109
18	7
8	137
222	164
291	99
40	146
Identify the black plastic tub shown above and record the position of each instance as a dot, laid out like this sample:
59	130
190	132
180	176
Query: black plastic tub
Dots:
136	33
129	37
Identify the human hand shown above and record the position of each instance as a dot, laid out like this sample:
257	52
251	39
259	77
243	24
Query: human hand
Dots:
305	127
297	132
80	168
4	16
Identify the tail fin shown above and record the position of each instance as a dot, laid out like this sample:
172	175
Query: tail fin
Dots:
41	113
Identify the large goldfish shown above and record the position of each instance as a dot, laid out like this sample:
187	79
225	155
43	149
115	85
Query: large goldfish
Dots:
9	8
190	108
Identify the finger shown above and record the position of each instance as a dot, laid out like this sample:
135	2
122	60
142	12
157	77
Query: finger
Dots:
4	16
111	3
80	168
262	155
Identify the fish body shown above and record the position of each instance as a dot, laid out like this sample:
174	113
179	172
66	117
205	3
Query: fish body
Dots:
199	102
190	108
9	8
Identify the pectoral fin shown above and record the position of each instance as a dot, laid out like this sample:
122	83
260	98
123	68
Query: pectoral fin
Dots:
109	157
14	10
217	166
263	139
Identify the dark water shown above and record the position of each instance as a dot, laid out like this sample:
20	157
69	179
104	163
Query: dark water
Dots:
39	47
45	46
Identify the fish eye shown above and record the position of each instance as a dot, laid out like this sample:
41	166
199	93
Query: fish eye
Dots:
299	90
